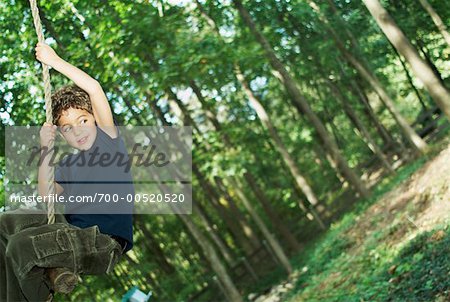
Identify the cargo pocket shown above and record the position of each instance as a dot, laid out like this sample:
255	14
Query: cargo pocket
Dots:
51	243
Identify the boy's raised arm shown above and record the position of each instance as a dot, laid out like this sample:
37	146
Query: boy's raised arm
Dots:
100	105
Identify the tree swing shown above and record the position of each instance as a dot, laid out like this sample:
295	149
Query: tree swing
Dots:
63	280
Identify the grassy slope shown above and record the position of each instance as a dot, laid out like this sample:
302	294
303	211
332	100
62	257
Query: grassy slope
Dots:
372	257
378	252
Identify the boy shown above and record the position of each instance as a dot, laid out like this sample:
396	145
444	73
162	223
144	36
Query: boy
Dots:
85	239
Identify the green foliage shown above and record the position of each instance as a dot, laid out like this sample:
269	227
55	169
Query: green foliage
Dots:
423	268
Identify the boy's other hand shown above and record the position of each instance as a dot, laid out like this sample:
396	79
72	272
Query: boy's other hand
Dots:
47	134
46	54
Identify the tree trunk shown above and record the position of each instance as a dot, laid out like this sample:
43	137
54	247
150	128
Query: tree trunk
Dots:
415	140
277	223
209	253
211	116
437	20
426	55
224	250
249	242
224	213
299	179
381	129
328	117
301	103
410	80
276	246
213	259
188	121
366	136
241	219
439	93
358	92
354	44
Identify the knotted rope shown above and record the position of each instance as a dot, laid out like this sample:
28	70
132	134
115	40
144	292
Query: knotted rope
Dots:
48	110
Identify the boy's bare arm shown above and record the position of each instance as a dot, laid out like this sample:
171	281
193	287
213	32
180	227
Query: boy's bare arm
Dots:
100	105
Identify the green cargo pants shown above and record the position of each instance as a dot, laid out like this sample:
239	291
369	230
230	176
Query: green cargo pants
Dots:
28	245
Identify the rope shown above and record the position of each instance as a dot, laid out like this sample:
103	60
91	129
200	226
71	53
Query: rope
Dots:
48	109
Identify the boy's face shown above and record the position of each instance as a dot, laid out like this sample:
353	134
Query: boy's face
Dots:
78	128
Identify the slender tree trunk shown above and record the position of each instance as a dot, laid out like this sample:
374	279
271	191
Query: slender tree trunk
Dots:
212	233
301	103
368	110
209	253
351	114
244	235
439	93
381	129
277	223
355	47
328	117
436	20
188	121
415	140
224	213
354	44
241	219
358	92
211	256
366	136
213	259
232	207
300	180
426	55
276	246
410	80
146	253
211	116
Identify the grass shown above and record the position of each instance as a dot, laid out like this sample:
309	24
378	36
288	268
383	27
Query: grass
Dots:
338	266
418	271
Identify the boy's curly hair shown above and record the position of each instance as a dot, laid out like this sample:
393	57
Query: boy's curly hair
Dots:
70	96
